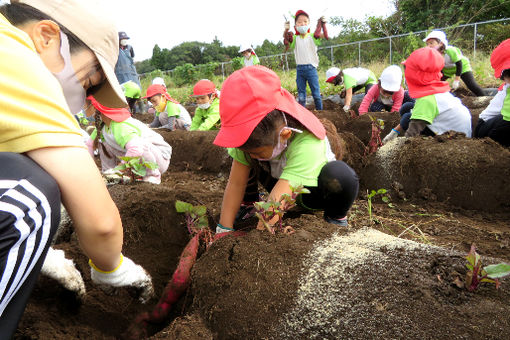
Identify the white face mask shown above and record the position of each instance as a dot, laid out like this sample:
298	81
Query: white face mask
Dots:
302	29
73	90
204	106
123	42
278	149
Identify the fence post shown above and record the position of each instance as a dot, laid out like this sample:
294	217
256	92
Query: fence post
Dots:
391	53
474	42
332	59
287	62
223	70
359	54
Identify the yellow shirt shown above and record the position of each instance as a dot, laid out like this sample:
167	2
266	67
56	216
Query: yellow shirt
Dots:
33	111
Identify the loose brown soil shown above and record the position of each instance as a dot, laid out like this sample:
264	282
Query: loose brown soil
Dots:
390	276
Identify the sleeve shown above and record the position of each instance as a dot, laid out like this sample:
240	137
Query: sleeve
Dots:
171	123
239	156
398	98
197	119
172	109
425	109
256	60
155	123
210	117
317	41
349	81
458	68
123	133
368	99
134	148
454	53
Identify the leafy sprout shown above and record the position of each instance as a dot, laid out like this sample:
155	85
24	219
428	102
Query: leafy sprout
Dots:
134	167
477	273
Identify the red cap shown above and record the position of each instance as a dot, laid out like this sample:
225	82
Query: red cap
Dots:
247	96
204	87
159	89
300	12
118	115
500	58
423	73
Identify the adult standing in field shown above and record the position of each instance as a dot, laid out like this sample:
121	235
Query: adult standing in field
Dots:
305	45
125	69
53	53
455	63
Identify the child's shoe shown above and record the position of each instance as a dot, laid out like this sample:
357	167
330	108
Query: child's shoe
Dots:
338	221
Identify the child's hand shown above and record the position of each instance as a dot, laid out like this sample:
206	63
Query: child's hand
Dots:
323	19
287	25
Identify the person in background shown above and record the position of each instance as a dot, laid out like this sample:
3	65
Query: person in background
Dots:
268	133
353	80
250	57
117	134
494	121
132	92
52	54
436	110
305	45
169	113
455	63
387	95
125	69
207	114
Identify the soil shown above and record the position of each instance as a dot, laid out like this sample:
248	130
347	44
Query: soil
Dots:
394	272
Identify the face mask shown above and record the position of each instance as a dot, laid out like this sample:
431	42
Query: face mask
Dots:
204	106
73	90
278	149
123	42
302	29
161	106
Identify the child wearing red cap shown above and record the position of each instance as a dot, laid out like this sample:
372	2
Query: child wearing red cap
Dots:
280	143
207	114
122	135
436	110
305	50
169	113
494	121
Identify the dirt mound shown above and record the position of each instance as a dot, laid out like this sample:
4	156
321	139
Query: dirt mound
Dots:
470	173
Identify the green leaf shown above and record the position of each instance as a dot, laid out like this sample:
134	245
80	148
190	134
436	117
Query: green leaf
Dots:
495	271
304	191
385	199
203	222
381	191
140	172
151	165
200	210
182	207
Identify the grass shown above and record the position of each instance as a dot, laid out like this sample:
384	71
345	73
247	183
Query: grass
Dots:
481	66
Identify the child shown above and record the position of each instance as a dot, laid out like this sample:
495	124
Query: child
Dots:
454	62
305	50
207	114
494	121
250	58
132	92
169	113
353	79
436	110
387	94
284	143
121	135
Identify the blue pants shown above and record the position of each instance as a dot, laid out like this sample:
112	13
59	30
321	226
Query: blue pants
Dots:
405	111
308	73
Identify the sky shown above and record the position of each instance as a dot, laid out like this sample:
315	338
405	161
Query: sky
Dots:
169	23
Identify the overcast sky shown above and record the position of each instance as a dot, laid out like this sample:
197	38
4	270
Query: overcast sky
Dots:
169	23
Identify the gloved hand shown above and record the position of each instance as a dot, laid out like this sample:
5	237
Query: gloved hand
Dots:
221	229
57	267
323	19
390	136
346	108
126	274
455	84
287	26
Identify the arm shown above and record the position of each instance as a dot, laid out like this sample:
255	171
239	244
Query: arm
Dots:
84	195
398	98
211	119
134	148
348	97
458	69
234	193
171	123
368	99
281	187
155	123
197	118
416	126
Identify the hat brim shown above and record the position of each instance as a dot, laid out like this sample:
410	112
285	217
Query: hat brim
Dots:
391	87
110	94
330	79
235	136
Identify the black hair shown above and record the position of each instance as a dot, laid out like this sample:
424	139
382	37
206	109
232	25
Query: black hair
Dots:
19	14
339	78
505	73
266	132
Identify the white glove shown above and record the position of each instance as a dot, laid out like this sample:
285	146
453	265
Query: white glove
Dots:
221	229
347	108
57	267
323	19
287	25
390	136
455	84
126	274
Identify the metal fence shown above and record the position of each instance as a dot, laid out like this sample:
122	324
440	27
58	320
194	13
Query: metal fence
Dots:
388	49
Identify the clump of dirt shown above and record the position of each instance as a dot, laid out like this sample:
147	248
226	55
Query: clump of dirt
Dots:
470	173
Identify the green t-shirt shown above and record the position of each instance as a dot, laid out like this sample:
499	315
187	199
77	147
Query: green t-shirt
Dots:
171	109
451	56
120	132
300	163
209	119
131	89
358	76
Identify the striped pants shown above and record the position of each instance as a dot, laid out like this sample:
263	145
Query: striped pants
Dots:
29	217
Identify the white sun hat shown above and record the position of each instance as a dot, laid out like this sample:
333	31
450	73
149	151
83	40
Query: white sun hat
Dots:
437	35
331	74
391	78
